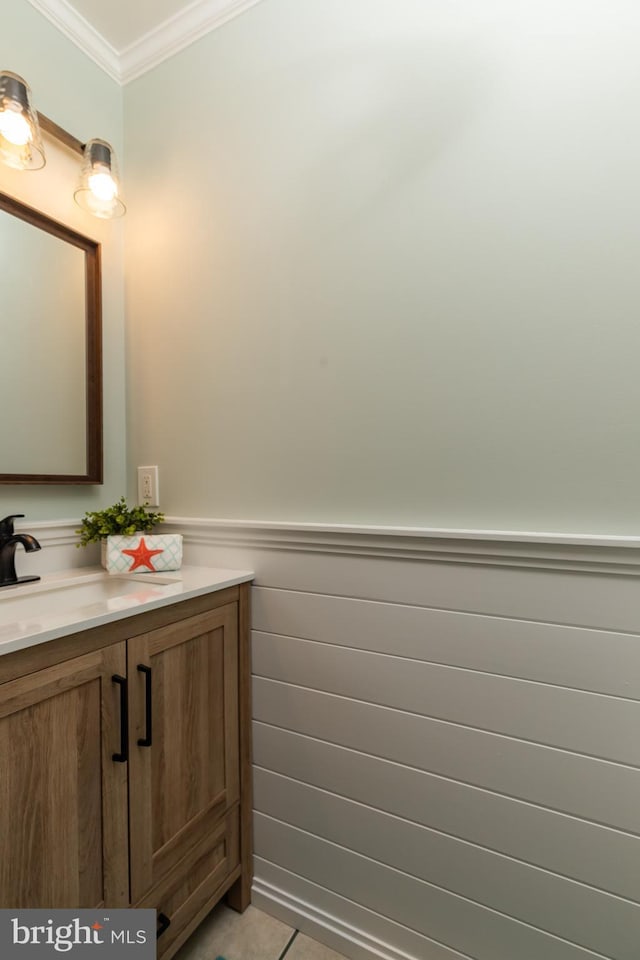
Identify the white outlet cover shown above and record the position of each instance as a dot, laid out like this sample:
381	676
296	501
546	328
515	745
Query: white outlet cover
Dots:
148	489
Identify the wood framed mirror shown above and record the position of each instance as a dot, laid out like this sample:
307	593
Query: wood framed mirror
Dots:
51	334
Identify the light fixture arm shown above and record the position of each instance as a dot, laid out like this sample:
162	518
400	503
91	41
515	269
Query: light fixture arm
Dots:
59	133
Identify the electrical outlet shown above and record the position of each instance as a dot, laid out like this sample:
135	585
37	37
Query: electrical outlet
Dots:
148	488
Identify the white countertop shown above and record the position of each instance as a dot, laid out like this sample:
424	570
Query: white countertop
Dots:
73	600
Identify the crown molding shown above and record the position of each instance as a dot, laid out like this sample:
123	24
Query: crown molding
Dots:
168	38
69	22
176	33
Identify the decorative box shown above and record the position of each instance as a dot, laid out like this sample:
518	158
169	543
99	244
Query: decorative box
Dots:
143	553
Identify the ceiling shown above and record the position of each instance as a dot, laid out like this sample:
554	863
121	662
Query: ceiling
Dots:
128	37
123	23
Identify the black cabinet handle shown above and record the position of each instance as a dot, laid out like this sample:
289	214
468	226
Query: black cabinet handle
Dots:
146	740
123	756
163	924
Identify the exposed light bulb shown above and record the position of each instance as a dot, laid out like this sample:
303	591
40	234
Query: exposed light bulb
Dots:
103	186
20	140
98	187
14	127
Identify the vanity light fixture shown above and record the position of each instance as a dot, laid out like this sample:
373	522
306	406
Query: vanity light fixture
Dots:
97	192
21	148
20	138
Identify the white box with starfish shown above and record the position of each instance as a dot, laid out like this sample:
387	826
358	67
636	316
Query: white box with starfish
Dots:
143	553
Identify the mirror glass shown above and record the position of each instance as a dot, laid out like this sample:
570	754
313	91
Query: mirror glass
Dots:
50	388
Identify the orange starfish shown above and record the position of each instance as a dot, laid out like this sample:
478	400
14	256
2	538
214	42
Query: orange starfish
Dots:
142	556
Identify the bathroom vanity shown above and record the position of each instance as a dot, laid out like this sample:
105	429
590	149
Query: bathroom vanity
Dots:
125	745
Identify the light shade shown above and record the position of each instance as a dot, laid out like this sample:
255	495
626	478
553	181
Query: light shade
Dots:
97	192
20	138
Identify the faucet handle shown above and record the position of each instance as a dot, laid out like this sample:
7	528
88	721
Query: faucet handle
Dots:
6	525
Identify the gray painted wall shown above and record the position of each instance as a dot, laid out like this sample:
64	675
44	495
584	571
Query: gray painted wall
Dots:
381	265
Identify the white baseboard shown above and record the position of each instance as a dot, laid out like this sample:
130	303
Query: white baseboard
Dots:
347	938
327	929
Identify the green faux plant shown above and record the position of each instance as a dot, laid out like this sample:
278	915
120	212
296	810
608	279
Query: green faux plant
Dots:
116	520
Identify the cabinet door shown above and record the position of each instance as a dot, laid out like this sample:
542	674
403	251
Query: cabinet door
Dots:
187	776
63	798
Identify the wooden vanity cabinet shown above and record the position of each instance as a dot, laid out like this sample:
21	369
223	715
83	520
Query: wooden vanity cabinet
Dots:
63	801
125	766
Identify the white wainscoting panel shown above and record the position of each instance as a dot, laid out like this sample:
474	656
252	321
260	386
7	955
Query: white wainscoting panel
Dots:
59	551
446	740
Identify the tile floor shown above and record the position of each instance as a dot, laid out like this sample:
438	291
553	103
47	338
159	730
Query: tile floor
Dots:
252	935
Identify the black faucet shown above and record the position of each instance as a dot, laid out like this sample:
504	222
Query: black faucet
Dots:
8	543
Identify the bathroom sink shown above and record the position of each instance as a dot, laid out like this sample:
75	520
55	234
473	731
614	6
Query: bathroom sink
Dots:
75	593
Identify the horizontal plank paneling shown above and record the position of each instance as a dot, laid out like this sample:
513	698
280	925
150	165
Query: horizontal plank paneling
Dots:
546	652
592	789
540	898
586	723
446	917
354	930
482	776
589	600
584	851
